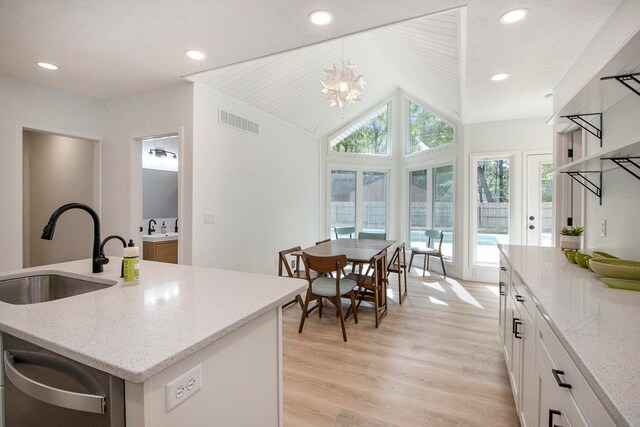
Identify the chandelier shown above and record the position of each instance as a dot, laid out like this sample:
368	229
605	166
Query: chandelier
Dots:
342	86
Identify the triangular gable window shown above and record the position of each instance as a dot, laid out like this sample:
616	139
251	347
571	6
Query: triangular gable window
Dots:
368	135
426	130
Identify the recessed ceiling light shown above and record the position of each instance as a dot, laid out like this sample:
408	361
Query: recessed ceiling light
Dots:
499	77
48	66
514	15
194	54
320	17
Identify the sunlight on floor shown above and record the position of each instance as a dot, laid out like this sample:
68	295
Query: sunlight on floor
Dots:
437	301
494	290
434	285
462	293
389	293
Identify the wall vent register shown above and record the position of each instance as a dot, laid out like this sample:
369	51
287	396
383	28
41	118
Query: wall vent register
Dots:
235	121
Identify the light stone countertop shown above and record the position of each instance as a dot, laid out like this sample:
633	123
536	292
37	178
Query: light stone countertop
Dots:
134	332
598	326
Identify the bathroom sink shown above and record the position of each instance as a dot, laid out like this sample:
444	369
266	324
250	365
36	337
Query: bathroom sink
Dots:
45	287
159	237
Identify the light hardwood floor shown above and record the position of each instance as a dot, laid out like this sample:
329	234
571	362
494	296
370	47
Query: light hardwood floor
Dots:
434	361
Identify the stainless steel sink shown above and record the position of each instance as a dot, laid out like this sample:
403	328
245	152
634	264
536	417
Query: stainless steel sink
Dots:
45	287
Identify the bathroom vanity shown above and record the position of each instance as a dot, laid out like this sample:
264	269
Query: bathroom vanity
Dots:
190	343
161	247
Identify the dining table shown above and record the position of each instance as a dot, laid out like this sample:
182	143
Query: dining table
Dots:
357	251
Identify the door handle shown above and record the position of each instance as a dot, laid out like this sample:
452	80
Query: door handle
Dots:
516	332
519	298
531	227
95	402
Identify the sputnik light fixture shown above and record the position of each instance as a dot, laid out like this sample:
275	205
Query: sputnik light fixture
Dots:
342	86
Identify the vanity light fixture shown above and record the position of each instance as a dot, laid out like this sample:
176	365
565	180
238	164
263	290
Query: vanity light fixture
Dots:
320	17
159	152
514	15
500	76
194	54
48	65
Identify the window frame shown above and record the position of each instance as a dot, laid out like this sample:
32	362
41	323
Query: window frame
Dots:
389	103
360	169
430	167
407	127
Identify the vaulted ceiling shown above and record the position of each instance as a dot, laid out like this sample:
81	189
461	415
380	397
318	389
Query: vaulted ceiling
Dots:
419	56
116	48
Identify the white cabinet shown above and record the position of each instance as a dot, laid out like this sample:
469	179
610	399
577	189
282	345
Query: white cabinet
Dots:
565	394
548	388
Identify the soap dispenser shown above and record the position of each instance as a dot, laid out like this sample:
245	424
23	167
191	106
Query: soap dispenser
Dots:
131	264
163	228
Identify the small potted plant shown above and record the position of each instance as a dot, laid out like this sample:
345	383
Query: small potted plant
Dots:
570	237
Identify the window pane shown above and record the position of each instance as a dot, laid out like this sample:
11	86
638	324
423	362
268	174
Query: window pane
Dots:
418	207
368	136
443	206
492	204
343	199
374	190
427	130
546	204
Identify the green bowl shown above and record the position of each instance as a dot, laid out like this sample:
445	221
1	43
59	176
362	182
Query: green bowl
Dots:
617	268
604	255
583	260
571	256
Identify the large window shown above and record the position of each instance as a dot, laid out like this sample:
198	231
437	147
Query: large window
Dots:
431	206
343	198
359	199
492	208
426	130
369	135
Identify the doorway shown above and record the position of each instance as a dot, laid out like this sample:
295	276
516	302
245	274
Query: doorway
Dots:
539	187
57	170
157	165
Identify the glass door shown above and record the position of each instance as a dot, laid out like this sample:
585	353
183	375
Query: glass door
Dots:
539	221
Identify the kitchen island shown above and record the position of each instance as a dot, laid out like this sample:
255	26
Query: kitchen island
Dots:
562	327
178	317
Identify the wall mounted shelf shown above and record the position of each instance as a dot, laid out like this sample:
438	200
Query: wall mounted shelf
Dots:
593	162
599	95
630	164
582	178
593	129
629	80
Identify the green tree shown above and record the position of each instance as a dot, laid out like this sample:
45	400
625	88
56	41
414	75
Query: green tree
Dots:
427	130
371	138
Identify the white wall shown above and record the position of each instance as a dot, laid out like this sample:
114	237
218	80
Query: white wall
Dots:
152	114
515	138
262	190
34	107
58	170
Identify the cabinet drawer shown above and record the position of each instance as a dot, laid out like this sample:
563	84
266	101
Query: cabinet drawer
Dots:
504	276
521	296
559	360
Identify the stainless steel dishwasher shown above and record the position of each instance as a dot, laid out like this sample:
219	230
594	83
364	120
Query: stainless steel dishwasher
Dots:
42	388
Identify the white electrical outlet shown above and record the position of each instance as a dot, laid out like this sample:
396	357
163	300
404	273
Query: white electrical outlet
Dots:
183	387
209	218
603	227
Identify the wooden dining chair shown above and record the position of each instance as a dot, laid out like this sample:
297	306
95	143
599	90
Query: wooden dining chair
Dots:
376	236
344	231
329	288
372	286
290	267
432	237
323	241
398	264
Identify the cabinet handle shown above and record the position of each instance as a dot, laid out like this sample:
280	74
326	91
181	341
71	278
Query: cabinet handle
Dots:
556	374
516	332
503	268
501	286
553	412
519	298
514	326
